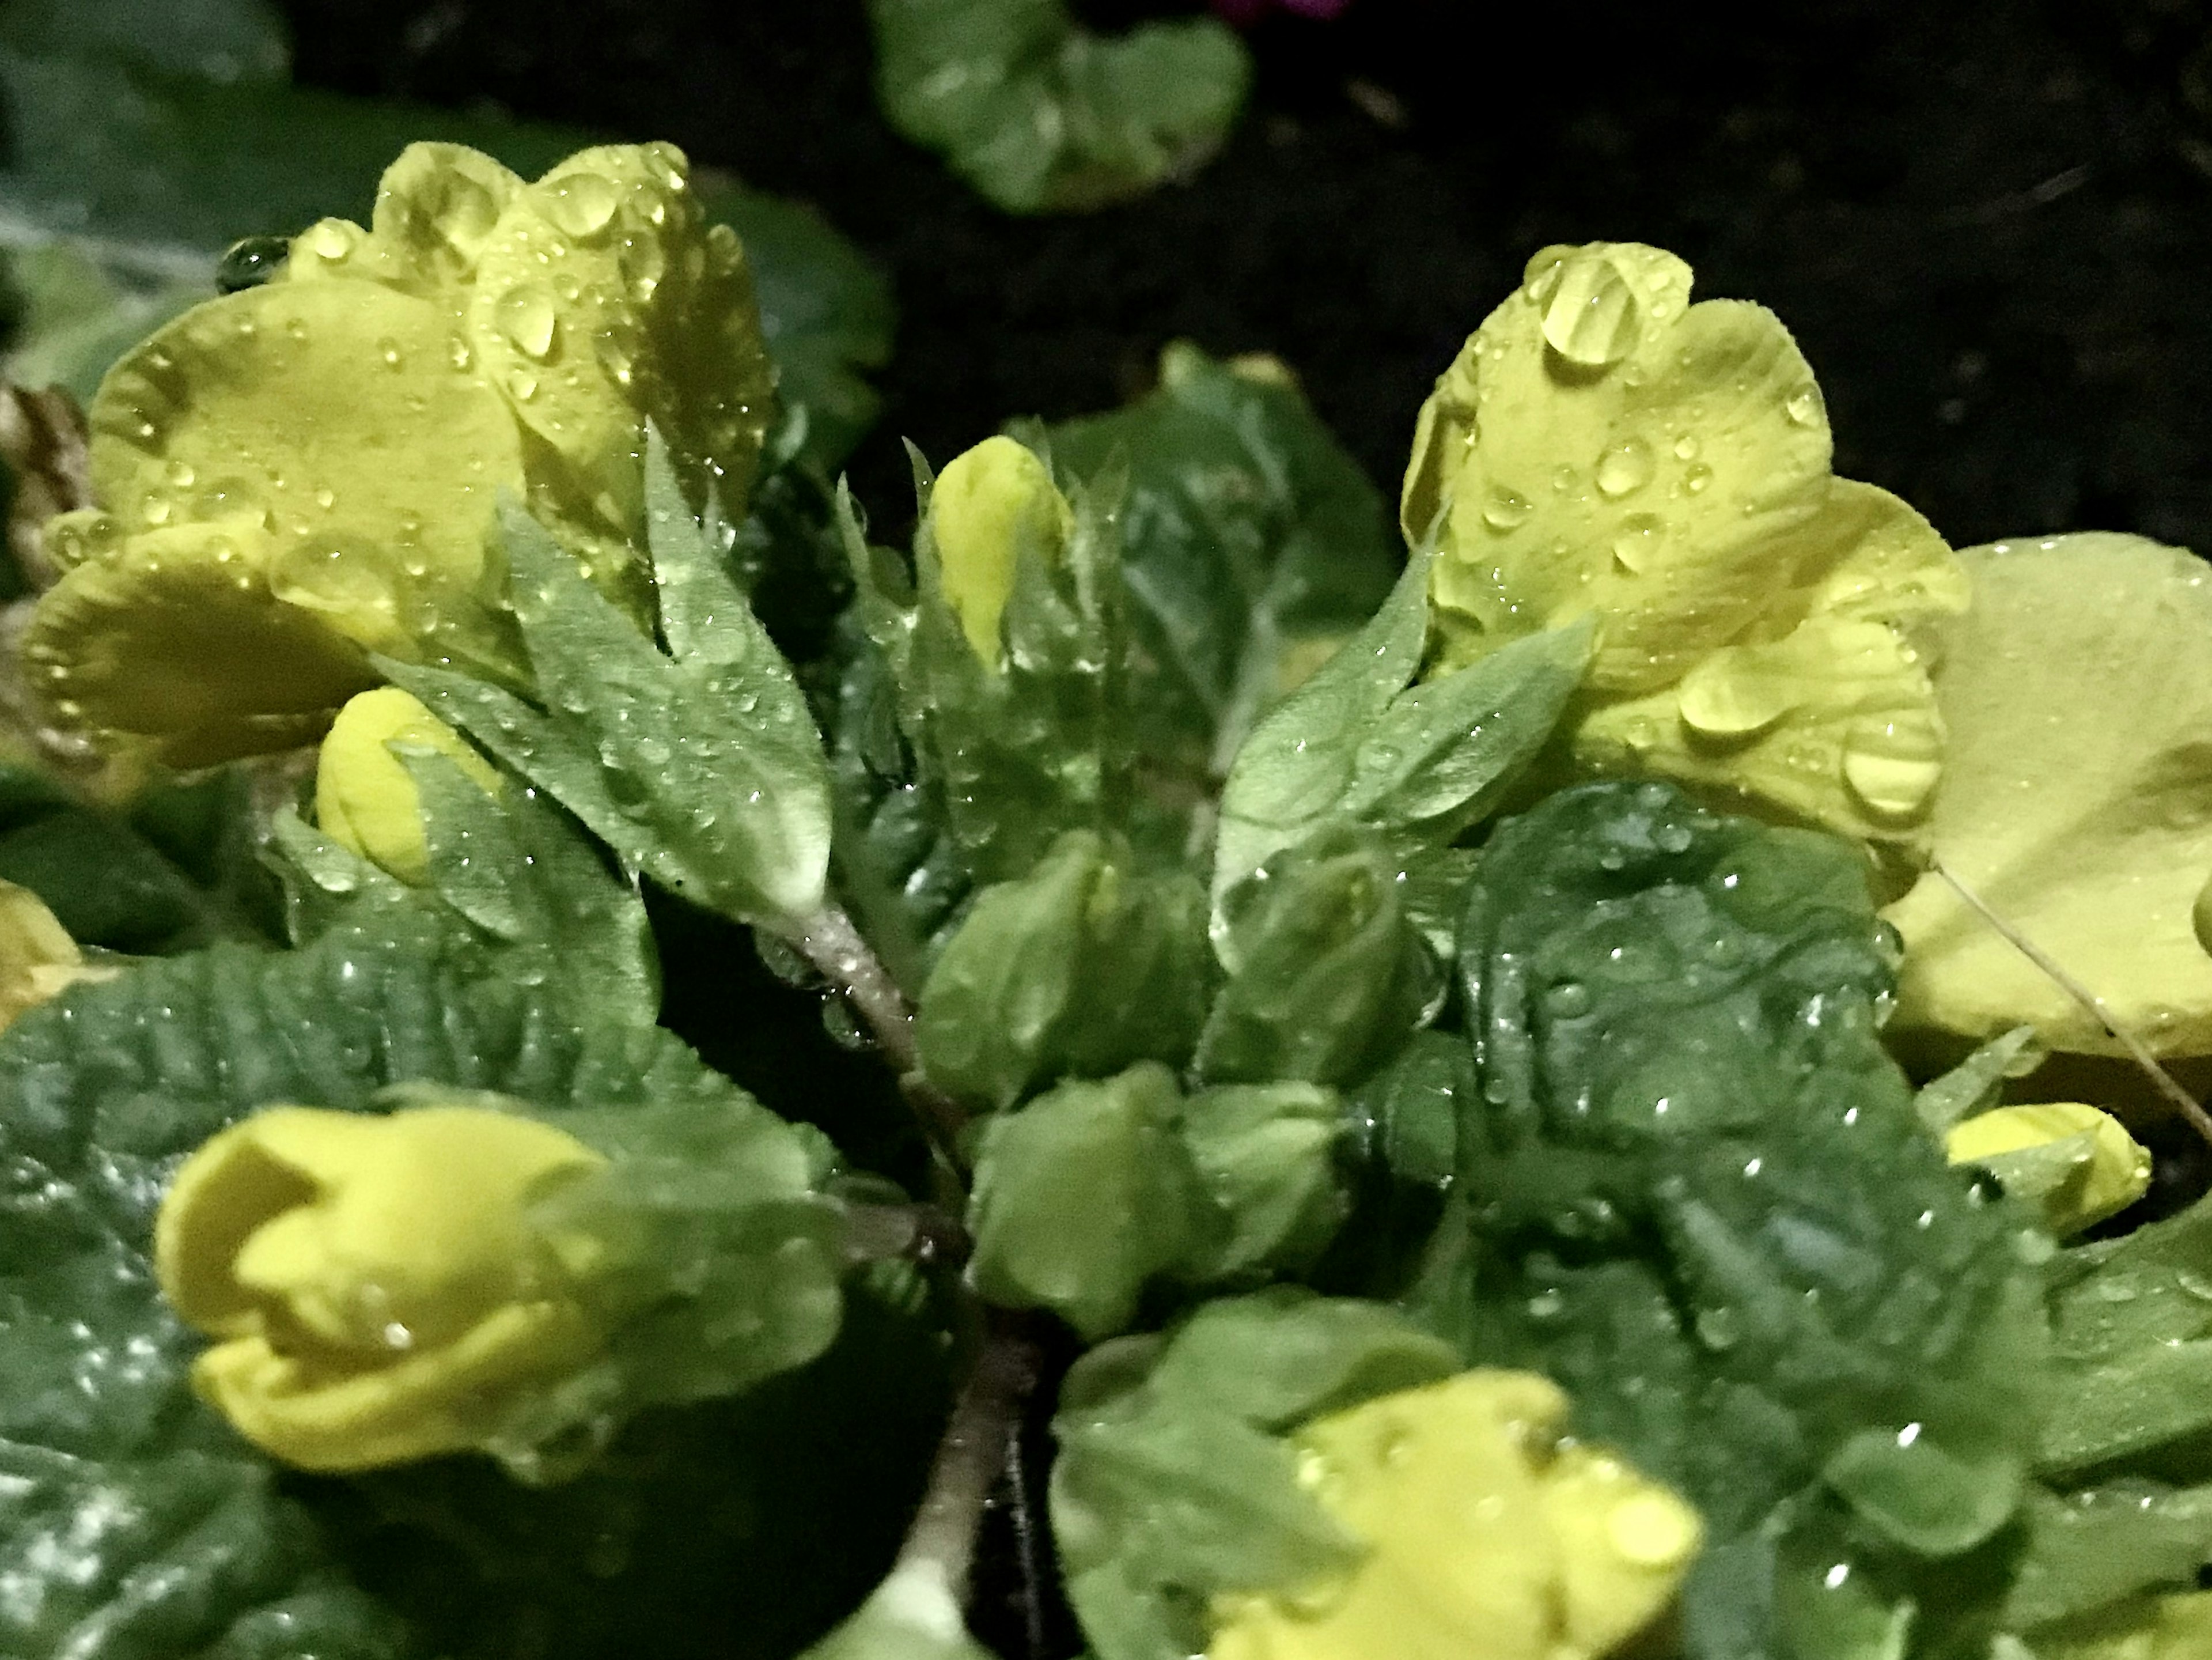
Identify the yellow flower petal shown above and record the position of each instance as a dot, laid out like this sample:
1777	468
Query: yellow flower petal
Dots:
2105	1169
176	638
1488	1534
2076	800
435	207
39	961
377	1282
365	797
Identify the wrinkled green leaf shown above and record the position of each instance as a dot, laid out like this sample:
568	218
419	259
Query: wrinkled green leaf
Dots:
1172	1484
1266	1154
701	766
1042	116
1084	1194
1255	545
1327	974
1080	968
1700	1195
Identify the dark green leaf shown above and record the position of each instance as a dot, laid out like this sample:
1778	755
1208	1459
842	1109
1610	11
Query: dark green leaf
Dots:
1700	1196
1976	1083
2088	1549
1254	546
1040	115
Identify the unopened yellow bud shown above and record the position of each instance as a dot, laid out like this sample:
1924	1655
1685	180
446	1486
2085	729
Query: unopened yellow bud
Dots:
1488	1534
990	504
39	961
2079	1164
379	1289
365	797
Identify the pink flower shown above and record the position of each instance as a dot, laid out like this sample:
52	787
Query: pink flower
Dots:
1245	13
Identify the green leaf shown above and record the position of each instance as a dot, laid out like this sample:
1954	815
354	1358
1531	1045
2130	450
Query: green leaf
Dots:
1171	1485
1354	744
1084	1194
1081	968
2086	1550
1327	974
1042	116
2131	1326
185	1542
222	42
1700	1195
73	319
700	767
1977	1083
1267	1155
176	870
1255	545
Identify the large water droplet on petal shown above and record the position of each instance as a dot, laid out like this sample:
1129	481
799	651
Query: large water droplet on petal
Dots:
1637	541
526	317
1626	467
1504	510
336	574
583	202
1893	765
1589	314
1803	407
1726	697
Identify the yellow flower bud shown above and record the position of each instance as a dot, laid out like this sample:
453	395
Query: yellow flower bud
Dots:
365	797
2090	1167
376	1286
291	476
1488	1534
39	961
990	504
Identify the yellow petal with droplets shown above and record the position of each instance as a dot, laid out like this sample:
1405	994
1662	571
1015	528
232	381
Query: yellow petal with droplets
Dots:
366	798
2076	798
176	638
332	413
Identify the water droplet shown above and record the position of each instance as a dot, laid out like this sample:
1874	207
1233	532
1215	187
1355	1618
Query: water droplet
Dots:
1639	538
155	509
1568	1001
1652	1529
525	316
1685	448
180	474
1696	477
331	239
1725	697
1504	510
583	202
1671	837
326	499
334	575
388	349
458	353
1893	766
1626	467
1719	1328
523	384
1590	315
1803	405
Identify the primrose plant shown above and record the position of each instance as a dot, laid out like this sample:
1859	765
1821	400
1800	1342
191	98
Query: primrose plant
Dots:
1400	1059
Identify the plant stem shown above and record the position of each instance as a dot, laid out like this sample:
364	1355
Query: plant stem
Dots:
833	945
977	1442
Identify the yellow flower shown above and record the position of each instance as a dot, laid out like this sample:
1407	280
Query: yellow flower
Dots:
377	1288
1488	1534
1603	447
990	504
2083	1164
295	476
39	961
365	797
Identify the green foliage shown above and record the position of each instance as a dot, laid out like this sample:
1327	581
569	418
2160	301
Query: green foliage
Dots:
1084	1195
700	765
1267	1155
1042	116
1253	545
1172	1482
184	1540
1695	1193
1977	1083
1328	971
176	869
1080	969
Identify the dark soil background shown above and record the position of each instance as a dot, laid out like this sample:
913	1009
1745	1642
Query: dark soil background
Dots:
1989	224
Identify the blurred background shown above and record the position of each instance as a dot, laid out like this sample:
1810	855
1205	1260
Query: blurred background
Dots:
1989	224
